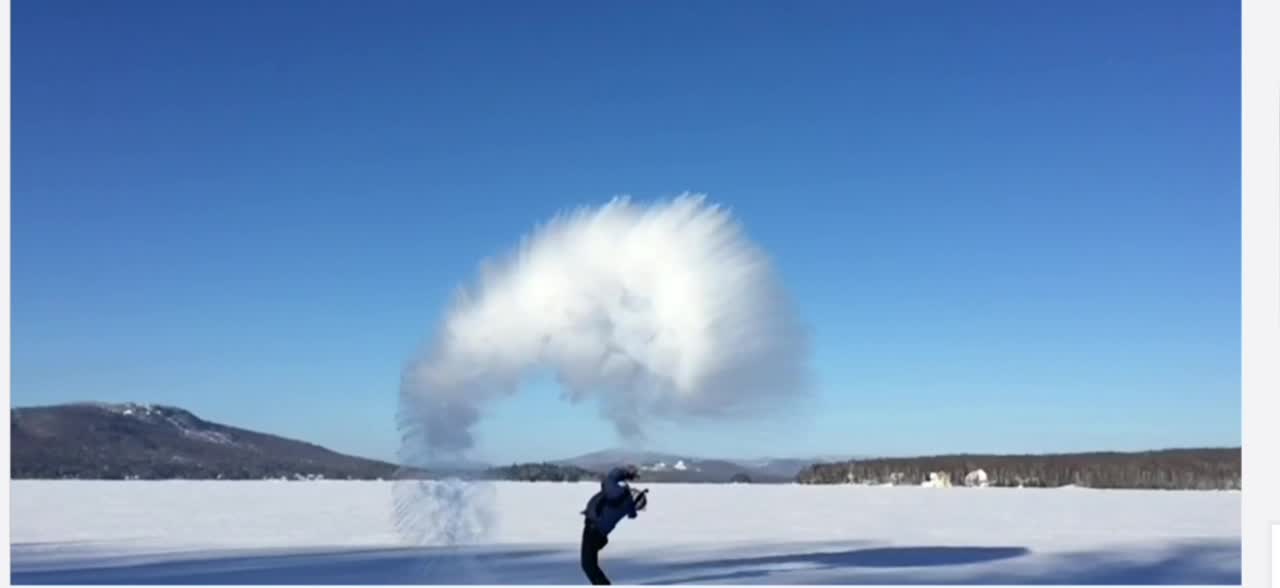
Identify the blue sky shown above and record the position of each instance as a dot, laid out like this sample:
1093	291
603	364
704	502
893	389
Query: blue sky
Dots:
1011	226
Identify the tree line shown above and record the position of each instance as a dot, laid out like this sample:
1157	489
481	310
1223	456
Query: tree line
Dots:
1174	469
542	472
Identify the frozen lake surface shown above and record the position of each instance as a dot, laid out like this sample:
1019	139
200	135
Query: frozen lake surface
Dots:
330	532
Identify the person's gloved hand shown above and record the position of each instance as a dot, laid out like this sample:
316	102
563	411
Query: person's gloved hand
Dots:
642	499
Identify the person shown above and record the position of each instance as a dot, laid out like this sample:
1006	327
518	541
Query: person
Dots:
604	511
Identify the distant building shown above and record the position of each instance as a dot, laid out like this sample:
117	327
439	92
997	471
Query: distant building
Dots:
976	479
938	480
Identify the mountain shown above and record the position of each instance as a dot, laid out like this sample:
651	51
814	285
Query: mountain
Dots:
669	467
607	458
781	467
130	440
118	441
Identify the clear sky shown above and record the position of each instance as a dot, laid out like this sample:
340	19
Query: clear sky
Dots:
1011	226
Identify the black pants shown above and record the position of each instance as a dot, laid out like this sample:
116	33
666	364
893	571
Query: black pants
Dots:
592	542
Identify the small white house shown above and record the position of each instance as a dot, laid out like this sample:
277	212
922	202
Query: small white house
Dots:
976	479
937	480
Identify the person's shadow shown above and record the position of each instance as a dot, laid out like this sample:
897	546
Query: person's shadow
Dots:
1202	562
880	557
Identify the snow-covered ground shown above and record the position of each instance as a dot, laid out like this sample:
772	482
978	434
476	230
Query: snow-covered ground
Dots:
184	532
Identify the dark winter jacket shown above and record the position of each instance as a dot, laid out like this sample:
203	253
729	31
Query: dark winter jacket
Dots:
611	503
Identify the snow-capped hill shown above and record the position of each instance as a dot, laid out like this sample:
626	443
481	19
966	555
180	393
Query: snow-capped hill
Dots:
184	422
662	466
140	411
666	467
611	457
132	440
674	467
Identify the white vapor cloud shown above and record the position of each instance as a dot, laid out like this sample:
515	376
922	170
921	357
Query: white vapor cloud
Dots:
658	311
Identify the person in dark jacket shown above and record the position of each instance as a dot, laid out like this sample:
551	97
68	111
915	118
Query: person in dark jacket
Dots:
606	508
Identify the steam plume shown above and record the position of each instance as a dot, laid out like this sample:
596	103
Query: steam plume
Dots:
664	311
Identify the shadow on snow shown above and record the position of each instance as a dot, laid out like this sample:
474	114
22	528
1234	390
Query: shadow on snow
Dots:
1209	562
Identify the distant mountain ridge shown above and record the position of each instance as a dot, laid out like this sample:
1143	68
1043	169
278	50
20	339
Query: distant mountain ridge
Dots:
130	440
669	467
95	440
